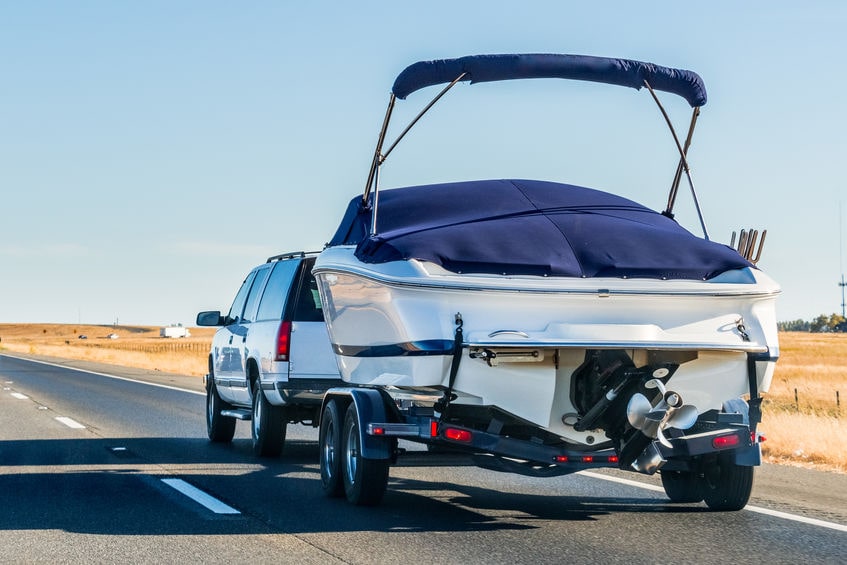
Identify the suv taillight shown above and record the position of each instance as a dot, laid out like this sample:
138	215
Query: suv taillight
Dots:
283	341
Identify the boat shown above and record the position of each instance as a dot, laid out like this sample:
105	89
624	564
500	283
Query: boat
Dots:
547	311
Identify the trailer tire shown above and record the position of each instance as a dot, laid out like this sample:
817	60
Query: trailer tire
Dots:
727	486
365	480
682	486
330	444
268	425
220	428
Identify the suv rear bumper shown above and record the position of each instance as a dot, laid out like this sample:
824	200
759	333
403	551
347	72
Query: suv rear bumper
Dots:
299	391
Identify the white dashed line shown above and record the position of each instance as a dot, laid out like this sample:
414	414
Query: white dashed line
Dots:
757	509
20	396
70	423
200	497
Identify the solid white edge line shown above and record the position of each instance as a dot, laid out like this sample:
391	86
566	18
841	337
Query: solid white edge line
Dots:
70	422
200	497
757	509
108	375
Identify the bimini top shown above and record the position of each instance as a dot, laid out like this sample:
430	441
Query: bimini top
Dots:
524	227
486	68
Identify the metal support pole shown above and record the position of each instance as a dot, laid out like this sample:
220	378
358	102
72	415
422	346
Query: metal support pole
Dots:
678	176
683	160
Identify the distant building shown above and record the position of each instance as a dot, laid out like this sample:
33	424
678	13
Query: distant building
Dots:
174	331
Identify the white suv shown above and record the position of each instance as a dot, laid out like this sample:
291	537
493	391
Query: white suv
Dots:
271	361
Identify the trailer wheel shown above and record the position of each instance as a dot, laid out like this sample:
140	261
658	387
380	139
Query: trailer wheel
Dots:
727	486
365	480
330	442
682	486
268	426
220	428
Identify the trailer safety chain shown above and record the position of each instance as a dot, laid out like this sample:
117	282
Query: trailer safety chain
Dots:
444	402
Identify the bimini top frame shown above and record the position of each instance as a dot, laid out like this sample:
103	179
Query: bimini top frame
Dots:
488	68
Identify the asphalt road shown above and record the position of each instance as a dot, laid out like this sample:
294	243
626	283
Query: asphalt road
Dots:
94	469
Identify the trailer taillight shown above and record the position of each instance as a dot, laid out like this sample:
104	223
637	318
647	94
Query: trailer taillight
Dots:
723	442
458	435
283	341
587	459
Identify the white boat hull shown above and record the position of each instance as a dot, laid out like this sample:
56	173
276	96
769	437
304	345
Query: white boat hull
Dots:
393	324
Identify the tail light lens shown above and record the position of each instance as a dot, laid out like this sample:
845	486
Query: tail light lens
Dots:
458	435
724	442
283	341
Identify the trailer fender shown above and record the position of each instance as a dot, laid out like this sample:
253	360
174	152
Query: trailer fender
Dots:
745	456
370	408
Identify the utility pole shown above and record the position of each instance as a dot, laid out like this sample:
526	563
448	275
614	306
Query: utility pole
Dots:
842	284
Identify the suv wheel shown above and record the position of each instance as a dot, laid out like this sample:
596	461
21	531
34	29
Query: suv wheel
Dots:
269	424
220	428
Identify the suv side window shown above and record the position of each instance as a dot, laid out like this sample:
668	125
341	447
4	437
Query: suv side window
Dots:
276	291
237	307
255	291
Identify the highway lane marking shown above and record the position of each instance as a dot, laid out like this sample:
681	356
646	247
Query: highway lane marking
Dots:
70	422
19	396
110	376
751	508
200	497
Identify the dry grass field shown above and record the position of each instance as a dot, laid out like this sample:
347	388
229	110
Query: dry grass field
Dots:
135	346
811	430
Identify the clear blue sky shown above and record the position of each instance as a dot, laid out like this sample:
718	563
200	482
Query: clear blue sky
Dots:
152	152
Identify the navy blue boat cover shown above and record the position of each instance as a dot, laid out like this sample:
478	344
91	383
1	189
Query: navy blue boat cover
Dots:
486	68
525	227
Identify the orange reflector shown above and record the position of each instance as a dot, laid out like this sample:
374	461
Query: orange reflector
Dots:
722	442
457	435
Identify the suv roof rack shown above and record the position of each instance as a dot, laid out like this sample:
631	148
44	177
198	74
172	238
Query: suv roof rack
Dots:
291	255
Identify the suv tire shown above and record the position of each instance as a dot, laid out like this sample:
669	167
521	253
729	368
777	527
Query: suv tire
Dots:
220	428
268	426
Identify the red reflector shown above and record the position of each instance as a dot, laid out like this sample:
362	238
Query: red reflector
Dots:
457	435
283	341
433	429
560	459
614	459
587	459
762	438
378	431
722	442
